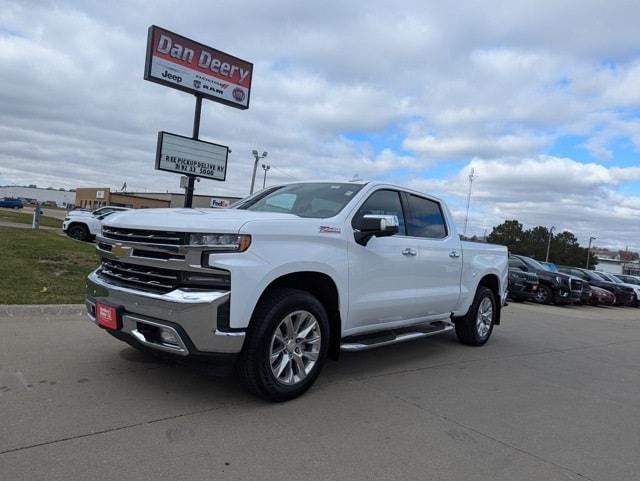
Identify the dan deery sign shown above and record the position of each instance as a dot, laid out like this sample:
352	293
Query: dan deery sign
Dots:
191	157
181	63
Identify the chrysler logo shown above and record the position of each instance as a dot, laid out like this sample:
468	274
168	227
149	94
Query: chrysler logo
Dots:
120	251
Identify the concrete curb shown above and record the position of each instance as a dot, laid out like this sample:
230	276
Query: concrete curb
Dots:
45	310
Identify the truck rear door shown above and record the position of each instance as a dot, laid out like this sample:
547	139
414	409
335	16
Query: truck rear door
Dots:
437	255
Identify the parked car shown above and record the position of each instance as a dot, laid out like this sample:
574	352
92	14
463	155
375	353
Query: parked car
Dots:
612	278
292	276
601	296
624	295
10	203
523	286
628	279
554	287
85	225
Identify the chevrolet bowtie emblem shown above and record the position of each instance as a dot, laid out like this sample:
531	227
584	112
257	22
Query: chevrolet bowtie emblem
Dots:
120	251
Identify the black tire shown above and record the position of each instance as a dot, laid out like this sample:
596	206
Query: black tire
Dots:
78	231
544	295
254	365
468	327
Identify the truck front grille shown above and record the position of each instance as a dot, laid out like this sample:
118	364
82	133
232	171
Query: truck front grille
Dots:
147	278
145	236
158	280
576	285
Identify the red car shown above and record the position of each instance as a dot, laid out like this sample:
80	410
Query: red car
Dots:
601	296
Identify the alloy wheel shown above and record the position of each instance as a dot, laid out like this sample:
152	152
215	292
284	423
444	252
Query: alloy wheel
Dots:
295	347
484	318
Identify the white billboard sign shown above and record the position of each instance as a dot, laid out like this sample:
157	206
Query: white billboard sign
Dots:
184	155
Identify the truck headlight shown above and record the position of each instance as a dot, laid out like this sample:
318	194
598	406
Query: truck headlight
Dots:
221	242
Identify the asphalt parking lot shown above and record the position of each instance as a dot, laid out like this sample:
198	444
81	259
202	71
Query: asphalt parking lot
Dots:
555	395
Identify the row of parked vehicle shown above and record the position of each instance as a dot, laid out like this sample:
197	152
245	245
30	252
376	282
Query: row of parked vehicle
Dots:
546	283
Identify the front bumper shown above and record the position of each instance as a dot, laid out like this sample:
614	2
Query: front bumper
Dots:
199	319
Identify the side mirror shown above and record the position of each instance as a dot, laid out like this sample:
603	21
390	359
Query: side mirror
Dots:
375	225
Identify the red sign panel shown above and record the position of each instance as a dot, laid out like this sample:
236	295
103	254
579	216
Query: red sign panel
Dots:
107	316
181	63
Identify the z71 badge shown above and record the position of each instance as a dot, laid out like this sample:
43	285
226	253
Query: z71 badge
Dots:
326	229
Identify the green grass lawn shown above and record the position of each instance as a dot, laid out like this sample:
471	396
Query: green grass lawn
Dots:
24	218
42	267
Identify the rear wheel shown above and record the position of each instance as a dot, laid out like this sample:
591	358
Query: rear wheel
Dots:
286	345
475	328
78	231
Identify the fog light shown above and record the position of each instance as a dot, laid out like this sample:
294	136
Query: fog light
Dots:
168	337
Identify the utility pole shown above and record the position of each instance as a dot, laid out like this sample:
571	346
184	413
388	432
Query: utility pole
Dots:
549	243
265	167
255	167
466	216
589	250
191	179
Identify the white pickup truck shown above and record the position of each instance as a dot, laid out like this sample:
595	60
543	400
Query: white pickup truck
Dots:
292	275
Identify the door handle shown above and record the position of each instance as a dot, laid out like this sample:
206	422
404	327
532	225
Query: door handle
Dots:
409	252
454	254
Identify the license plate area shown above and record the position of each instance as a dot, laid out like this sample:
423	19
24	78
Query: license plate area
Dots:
109	316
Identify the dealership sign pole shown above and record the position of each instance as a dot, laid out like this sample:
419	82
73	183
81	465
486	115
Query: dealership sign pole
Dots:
178	62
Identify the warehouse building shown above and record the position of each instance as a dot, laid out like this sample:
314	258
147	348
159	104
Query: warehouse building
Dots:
52	197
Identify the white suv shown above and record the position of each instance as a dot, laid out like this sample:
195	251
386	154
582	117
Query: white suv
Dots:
85	225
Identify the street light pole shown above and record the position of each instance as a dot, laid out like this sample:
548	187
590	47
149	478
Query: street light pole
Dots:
549	242
589	250
265	167
255	167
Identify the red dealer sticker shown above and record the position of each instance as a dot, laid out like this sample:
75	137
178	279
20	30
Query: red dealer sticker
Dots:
107	316
181	63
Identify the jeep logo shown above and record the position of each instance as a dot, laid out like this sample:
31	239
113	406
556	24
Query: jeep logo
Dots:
169	76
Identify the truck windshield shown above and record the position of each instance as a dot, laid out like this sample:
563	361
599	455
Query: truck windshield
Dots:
312	200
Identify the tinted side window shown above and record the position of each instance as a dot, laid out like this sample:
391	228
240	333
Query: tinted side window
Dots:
425	218
382	202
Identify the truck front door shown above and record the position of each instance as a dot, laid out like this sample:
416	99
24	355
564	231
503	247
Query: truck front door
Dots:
382	277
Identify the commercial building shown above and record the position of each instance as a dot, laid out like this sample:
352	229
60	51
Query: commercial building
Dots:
57	197
95	197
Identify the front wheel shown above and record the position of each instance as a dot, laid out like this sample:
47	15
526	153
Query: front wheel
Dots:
79	232
286	345
475	328
544	295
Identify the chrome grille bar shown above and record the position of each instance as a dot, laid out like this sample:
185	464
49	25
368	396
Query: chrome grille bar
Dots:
145	236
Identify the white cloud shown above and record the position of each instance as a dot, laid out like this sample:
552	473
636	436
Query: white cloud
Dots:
460	147
548	191
488	83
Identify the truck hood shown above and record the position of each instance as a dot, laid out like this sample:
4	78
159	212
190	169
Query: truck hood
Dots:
190	220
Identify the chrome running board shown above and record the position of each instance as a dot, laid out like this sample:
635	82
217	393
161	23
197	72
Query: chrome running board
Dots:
395	336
